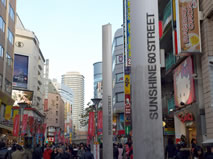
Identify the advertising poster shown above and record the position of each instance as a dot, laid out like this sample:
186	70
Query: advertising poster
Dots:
100	122
184	91
24	124
20	74
16	125
8	112
188	26
22	96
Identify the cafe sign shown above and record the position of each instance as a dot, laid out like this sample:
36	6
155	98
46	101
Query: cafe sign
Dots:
188	26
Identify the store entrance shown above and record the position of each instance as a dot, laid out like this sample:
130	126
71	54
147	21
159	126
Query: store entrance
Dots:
190	132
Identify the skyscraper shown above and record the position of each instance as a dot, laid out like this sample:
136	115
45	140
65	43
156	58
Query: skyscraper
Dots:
75	81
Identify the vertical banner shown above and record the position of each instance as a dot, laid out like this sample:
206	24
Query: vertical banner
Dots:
31	123
146	81
188	26
24	124
100	122
16	125
128	31
45	105
44	128
91	124
8	111
15	112
107	90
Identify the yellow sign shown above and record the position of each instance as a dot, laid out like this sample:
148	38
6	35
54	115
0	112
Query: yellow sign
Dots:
8	112
15	112
127	84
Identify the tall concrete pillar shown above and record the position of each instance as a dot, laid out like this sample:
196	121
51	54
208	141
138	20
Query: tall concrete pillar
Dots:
107	90
146	83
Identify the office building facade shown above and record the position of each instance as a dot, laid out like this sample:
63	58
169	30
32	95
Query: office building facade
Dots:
7	36
118	82
75	81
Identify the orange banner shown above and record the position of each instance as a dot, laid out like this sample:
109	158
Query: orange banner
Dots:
188	26
8	111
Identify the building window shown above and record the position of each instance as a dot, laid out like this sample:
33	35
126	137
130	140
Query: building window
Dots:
1	80
119	59
57	113
3	2
1	51
10	36
119	97
56	98
9	60
56	106
8	86
56	120
119	41
119	77
2	24
11	13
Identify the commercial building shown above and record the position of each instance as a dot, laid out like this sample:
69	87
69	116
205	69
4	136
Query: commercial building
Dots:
54	114
29	65
7	36
187	84
118	83
75	81
98	91
67	96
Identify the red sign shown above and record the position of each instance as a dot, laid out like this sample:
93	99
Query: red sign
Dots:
100	122
127	109
160	29
16	125
45	104
31	123
185	117
24	124
91	124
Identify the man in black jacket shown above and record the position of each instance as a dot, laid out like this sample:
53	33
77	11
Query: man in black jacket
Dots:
3	151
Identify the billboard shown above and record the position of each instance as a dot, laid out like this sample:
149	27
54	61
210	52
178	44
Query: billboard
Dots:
22	96
188	26
20	75
184	91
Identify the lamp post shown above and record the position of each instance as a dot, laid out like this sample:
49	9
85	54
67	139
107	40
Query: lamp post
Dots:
96	102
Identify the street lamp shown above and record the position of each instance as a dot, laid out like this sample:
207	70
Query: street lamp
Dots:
96	102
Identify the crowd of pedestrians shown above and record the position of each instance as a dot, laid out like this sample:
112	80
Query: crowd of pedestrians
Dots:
54	151
181	151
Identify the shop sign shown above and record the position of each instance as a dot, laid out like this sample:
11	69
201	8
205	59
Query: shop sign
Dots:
8	111
188	26
16	125
128	31
184	91
24	124
185	117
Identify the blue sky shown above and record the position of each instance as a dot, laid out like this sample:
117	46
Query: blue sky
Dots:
70	32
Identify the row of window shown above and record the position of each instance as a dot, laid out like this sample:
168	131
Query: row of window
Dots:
117	42
119	97
119	59
10	36
1	51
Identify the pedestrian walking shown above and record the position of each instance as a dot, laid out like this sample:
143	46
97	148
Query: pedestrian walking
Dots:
54	153
88	154
120	151
37	152
81	151
198	153
47	153
209	153
170	151
115	151
18	154
3	150
194	146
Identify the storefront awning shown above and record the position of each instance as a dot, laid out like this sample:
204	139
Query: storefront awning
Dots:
6	127
208	142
